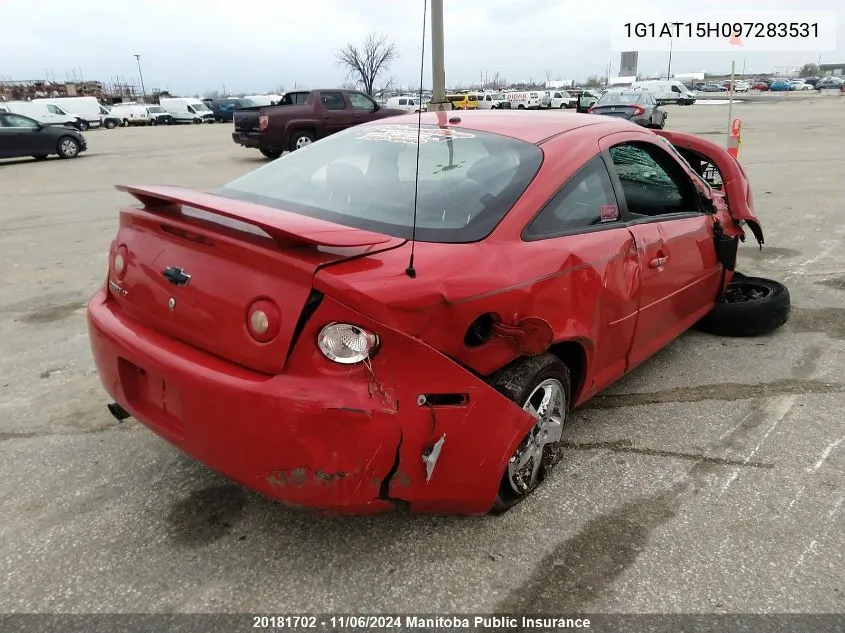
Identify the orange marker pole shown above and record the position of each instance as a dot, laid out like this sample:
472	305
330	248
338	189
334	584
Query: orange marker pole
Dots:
735	138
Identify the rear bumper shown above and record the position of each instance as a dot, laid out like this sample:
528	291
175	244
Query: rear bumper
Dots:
247	139
316	436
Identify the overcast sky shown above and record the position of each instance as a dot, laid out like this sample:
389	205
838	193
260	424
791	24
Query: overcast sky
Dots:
192	46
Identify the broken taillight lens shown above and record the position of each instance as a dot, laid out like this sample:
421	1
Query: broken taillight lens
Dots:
263	120
120	261
638	110
345	343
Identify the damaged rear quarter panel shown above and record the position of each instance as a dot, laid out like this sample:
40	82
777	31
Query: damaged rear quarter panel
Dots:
383	446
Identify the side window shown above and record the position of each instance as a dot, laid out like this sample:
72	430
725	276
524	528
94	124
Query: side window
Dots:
333	101
587	200
53	109
403	102
361	102
14	120
300	98
191	110
653	183
675	89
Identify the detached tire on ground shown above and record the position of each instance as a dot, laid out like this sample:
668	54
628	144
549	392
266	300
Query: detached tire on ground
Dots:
541	386
751	306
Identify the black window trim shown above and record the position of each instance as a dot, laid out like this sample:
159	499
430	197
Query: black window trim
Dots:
626	218
621	223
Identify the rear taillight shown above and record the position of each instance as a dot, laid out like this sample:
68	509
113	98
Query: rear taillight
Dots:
120	261
638	110
591	108
262	320
263	120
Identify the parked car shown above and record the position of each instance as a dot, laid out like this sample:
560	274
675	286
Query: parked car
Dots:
739	85
762	86
130	114
585	98
711	87
304	117
828	83
87	109
158	115
493	101
557	99
781	85
637	106
811	80
45	113
667	91
224	109
24	136
290	343
406	103
187	110
799	84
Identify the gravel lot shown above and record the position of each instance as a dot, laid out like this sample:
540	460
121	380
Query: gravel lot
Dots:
710	480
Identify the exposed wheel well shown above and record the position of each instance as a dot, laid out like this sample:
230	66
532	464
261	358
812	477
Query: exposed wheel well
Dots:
573	355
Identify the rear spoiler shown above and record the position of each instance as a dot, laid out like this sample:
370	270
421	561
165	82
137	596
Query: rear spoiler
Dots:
278	224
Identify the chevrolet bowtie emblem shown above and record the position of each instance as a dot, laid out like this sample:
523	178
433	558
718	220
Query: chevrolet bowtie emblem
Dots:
176	276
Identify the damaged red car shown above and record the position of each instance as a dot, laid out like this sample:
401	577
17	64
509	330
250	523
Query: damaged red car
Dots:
404	315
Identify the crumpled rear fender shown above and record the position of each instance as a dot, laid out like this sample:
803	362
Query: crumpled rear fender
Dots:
418	396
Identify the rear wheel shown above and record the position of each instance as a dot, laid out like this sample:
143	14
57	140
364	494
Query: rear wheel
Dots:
301	139
541	386
272	154
67	147
520	107
83	126
125	122
562	106
751	306
110	124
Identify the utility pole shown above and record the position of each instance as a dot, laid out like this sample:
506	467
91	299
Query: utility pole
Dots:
141	76
669	69
438	65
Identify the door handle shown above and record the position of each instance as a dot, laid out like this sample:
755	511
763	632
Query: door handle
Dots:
658	262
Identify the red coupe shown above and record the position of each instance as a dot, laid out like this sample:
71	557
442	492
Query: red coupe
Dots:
405	316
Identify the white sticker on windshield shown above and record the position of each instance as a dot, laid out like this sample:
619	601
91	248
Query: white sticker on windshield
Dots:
408	134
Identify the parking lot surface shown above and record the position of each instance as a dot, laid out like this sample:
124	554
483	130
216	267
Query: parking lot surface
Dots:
708	480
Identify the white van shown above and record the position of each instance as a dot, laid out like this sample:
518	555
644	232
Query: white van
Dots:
408	103
524	100
667	91
265	100
46	113
130	114
557	99
493	101
86	108
187	110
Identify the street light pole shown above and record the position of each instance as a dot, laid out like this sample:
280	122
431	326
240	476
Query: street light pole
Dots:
141	75
669	69
438	65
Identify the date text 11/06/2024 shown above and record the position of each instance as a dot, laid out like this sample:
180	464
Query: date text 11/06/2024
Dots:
722	29
341	622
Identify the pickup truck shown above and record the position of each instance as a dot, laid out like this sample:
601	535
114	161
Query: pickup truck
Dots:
303	117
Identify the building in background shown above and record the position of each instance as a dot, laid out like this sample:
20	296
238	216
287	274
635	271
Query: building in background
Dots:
628	64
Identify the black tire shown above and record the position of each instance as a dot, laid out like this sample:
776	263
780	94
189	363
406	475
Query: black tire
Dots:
153	121
520	107
299	137
751	306
83	126
272	154
125	122
197	121
562	106
517	382
67	147
110	124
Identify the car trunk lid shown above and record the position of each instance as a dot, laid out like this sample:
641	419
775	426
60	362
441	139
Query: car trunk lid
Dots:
623	111
196	262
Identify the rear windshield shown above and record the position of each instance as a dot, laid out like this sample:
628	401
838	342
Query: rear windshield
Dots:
618	99
364	178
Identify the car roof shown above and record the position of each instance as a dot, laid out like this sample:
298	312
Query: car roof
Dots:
532	126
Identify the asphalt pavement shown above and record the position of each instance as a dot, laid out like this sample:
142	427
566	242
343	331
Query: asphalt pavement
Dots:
709	480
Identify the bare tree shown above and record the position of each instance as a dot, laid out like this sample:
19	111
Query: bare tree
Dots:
366	62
